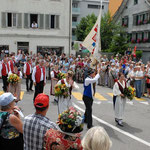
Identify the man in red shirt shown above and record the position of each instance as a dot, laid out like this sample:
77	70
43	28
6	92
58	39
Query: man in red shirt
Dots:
39	77
4	70
28	74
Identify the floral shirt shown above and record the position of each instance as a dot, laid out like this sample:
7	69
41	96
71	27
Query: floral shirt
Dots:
7	130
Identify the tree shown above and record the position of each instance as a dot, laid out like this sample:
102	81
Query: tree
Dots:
108	28
119	43
85	26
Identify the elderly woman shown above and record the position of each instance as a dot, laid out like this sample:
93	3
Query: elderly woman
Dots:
10	124
96	139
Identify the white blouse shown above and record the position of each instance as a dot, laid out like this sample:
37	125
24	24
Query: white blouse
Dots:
116	90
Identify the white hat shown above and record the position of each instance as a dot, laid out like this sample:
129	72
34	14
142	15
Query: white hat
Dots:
6	99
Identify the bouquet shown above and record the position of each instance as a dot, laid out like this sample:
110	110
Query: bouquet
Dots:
70	121
129	93
61	90
61	76
13	78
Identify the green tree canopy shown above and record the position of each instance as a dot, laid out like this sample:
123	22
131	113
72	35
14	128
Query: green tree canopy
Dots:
112	34
85	26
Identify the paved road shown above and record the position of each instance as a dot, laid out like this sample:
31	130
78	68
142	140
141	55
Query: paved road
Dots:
135	135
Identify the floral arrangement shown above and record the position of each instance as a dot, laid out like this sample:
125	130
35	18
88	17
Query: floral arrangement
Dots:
145	40
61	90
70	121
13	78
61	76
138	40
129	93
133	41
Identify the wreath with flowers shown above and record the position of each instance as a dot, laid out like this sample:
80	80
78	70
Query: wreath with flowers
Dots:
70	121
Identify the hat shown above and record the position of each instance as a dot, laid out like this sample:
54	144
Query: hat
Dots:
6	99
41	100
90	71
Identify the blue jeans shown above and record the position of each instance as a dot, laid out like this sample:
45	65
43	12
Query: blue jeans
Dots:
138	88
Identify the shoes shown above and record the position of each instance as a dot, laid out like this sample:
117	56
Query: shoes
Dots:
55	100
31	90
120	123
116	120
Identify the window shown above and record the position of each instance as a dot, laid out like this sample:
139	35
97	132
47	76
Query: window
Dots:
33	20
74	19
145	37
135	2
125	21
95	6
11	20
52	21
74	5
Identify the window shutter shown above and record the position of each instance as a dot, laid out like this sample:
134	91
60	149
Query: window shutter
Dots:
41	21
47	25
19	21
26	20
57	22
149	37
3	20
137	19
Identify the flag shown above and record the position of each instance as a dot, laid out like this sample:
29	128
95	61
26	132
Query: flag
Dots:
92	41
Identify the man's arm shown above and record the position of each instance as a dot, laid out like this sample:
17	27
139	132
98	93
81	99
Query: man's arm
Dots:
33	74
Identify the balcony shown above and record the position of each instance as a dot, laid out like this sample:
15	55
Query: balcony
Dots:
74	24
74	38
76	11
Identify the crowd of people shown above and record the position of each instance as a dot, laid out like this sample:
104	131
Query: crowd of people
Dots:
37	131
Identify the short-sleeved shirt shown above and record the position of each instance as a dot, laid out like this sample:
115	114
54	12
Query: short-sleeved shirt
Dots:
34	129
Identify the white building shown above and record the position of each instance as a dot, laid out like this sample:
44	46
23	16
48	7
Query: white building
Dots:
83	8
53	18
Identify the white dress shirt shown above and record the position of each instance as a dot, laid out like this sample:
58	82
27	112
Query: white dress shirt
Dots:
42	75
25	68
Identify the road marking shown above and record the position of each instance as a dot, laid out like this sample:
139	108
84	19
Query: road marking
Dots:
146	103
115	128
110	94
21	94
1	92
77	95
81	102
100	97
97	102
131	103
139	99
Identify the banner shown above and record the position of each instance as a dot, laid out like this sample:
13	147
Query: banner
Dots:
92	41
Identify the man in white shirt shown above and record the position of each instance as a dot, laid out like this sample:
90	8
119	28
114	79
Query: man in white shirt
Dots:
138	81
39	77
34	25
88	95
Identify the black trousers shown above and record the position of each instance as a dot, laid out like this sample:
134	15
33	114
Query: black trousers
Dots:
39	88
29	78
114	100
5	83
88	110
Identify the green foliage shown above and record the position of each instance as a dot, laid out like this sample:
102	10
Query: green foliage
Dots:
76	46
119	42
85	26
139	54
113	36
107	31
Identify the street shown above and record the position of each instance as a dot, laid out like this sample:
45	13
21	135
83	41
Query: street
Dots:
135	135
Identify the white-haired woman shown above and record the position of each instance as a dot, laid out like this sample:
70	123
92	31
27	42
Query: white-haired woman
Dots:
96	138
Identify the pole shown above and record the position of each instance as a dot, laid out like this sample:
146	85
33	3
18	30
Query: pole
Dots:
70	22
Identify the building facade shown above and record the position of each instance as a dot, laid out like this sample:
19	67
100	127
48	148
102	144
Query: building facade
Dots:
134	15
83	8
35	25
